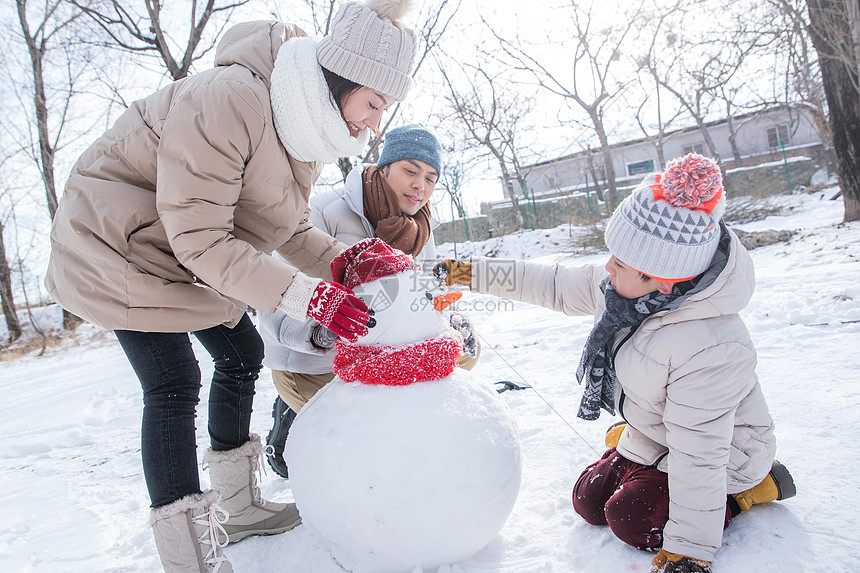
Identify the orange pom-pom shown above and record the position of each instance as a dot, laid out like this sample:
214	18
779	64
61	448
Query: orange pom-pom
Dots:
692	181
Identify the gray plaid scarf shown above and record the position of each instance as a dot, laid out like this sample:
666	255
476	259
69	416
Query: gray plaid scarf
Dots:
596	364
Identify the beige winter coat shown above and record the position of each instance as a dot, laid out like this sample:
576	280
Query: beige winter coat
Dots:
686	385
168	219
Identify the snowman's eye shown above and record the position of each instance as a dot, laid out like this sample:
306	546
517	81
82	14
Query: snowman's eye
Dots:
428	295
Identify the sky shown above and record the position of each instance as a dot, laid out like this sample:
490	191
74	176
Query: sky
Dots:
74	500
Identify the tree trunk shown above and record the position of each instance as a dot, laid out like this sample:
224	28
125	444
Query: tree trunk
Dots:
608	166
736	153
598	190
46	150
6	297
509	189
829	26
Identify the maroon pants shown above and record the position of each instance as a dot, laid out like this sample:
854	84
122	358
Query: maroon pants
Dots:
631	498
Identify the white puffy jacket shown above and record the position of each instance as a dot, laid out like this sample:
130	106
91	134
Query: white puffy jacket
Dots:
686	385
340	213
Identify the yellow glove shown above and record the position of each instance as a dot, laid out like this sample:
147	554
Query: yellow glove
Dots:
453	272
666	562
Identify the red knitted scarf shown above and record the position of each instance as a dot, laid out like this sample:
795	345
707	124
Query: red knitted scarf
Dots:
430	359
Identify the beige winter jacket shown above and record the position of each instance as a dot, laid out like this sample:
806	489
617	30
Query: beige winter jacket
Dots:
686	385
168	219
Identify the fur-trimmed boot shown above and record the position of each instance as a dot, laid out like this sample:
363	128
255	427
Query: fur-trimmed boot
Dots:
189	535
234	474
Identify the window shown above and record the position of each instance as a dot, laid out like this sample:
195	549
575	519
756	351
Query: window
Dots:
695	148
640	167
777	136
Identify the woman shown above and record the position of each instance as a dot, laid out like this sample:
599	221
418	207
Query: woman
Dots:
166	227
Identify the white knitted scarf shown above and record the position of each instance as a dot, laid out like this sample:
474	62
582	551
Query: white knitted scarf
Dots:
308	123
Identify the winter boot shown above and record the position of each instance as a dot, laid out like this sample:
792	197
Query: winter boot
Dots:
613	434
189	535
234	475
277	437
777	485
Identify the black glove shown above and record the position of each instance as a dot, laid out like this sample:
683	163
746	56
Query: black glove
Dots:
462	324
322	338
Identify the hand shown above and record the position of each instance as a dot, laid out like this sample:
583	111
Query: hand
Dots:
462	324
322	338
666	562
453	272
337	308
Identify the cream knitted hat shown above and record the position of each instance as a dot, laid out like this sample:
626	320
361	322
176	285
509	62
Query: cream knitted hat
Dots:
668	228
368	45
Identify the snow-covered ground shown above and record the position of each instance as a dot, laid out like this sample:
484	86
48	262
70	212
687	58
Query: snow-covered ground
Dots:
73	496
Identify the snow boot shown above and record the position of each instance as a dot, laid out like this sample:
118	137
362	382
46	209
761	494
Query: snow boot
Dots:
234	474
189	534
613	434
776	486
277	437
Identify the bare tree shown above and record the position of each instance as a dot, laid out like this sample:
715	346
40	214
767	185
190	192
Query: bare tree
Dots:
7	297
590	86
801	78
52	20
834	26
50	24
492	114
147	32
646	64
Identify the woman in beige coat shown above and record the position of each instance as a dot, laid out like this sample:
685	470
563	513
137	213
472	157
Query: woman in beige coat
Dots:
167	225
670	354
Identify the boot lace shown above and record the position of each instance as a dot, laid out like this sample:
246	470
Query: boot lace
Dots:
213	520
258	468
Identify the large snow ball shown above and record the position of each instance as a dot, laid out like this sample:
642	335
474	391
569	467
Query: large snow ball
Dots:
396	477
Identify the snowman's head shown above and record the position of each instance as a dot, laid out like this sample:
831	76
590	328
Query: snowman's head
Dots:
406	307
406	302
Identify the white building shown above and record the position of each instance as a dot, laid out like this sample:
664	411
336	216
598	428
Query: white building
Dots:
760	137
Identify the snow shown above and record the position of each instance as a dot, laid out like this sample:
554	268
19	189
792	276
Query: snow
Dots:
435	490
74	499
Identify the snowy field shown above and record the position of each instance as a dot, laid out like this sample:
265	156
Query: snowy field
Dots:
74	500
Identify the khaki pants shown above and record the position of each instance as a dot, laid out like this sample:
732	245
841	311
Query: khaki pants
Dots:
296	388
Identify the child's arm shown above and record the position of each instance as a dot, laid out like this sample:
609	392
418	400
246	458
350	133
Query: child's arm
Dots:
571	290
702	396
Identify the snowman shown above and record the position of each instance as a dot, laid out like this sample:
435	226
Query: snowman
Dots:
402	462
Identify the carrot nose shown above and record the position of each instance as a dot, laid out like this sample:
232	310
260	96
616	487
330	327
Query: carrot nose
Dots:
443	301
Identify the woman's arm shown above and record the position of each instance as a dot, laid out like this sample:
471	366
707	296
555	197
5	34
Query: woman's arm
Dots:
206	140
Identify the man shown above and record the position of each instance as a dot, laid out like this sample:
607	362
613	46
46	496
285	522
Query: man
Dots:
389	200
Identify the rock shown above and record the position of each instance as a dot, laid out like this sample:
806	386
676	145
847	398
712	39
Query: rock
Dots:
755	239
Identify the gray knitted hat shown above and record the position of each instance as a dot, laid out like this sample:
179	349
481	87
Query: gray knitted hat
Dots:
668	228
369	46
411	141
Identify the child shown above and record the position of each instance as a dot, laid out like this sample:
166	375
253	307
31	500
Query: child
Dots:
670	352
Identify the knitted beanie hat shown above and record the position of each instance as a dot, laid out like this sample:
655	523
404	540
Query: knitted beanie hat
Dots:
368	45
668	228
366	261
411	142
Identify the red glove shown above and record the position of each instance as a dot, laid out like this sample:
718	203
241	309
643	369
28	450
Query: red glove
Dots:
338	309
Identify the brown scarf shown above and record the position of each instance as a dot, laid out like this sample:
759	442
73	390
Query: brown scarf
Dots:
409	233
